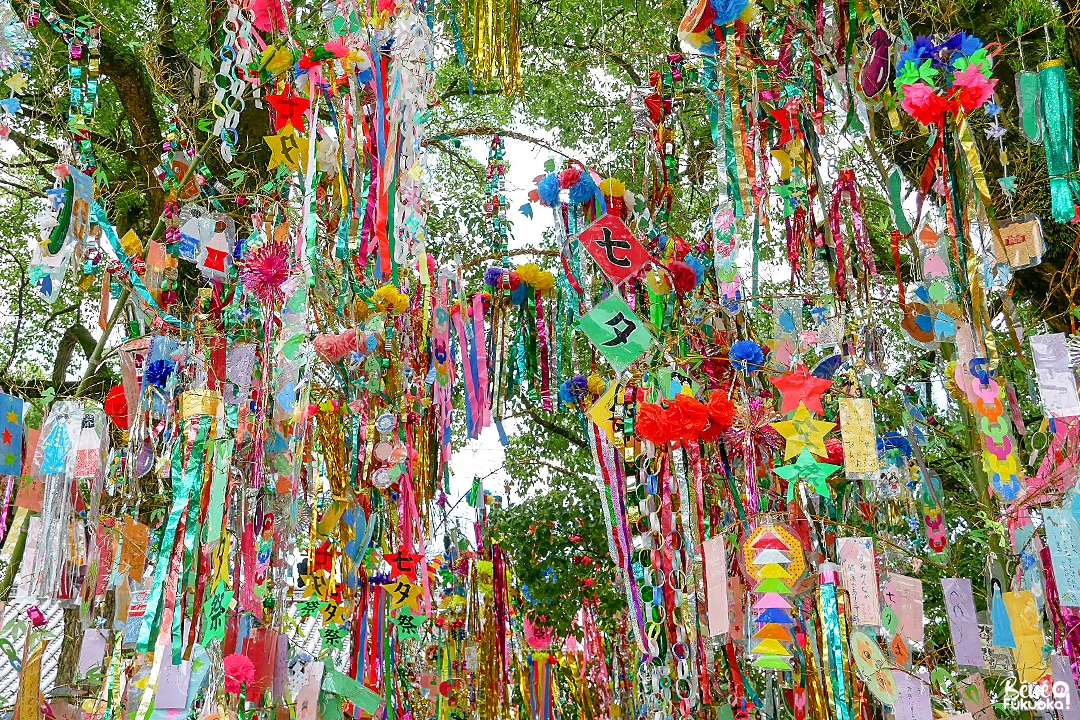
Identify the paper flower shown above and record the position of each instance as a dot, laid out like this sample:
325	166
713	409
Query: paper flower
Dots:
239	670
683	276
158	372
548	190
332	348
650	424
390	299
974	88
747	356
925	105
268	15
686	418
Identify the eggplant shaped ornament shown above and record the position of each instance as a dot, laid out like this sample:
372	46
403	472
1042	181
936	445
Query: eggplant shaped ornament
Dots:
878	66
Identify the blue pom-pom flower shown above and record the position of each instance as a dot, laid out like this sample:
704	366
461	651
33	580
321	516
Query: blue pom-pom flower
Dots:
747	356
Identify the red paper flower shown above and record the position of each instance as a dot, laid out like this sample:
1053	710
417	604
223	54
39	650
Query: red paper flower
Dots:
973	87
925	105
721	415
239	670
116	407
650	424
683	277
686	418
332	348
835	448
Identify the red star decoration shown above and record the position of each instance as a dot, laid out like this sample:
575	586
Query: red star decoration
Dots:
7	436
799	386
404	563
290	108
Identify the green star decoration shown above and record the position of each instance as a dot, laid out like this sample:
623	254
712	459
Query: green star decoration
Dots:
408	624
310	607
807	468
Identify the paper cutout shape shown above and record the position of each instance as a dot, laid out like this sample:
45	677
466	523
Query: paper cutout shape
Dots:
802	431
614	248
614	329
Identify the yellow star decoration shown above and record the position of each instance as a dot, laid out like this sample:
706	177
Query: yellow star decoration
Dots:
803	431
12	416
287	147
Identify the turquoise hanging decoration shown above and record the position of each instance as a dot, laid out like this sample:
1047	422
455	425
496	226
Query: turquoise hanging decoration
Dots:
55	449
1057	110
1029	102
1002	624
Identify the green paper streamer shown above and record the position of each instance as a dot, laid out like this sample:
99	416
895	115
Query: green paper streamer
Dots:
1057	107
188	477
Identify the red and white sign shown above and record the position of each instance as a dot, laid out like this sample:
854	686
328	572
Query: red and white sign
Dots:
614	248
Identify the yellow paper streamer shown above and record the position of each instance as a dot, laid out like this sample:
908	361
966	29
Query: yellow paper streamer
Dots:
1027	631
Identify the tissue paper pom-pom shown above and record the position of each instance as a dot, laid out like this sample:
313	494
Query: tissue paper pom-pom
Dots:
597	384
657	282
158	372
389	298
727	10
565	396
332	348
650	424
613	188
277	59
721	415
569	177
699	268
545	282
683	277
529	272
548	190
493	276
574	390
686	417
583	190
835	449
515	280
747	356
519	294
238	670
924	104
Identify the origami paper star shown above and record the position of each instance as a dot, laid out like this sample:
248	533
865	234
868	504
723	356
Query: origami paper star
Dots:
408	624
287	147
803	431
808	469
404	564
290	108
799	386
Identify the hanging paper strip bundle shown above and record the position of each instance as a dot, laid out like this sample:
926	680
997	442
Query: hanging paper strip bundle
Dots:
750	459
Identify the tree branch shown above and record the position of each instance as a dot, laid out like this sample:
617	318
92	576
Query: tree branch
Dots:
487	130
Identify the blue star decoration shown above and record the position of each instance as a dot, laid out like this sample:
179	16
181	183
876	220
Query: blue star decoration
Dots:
807	468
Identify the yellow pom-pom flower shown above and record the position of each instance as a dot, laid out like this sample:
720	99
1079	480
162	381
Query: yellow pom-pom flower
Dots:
613	187
391	299
276	59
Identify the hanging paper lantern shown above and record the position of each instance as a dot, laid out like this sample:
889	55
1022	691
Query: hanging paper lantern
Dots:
116	407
